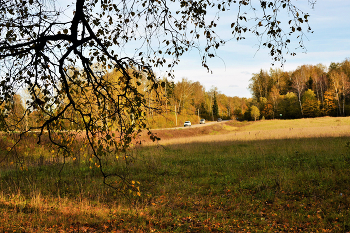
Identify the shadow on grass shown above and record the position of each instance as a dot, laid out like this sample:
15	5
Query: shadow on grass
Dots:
284	184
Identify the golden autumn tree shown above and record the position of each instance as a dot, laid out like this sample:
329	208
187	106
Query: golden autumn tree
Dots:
311	106
329	106
254	112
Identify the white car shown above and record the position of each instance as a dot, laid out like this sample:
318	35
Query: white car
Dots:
187	123
202	121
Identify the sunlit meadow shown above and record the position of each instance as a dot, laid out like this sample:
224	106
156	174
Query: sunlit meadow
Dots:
266	176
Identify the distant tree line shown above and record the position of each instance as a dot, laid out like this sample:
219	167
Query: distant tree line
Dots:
170	100
308	91
191	98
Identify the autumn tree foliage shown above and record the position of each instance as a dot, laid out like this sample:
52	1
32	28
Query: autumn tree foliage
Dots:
316	89
261	84
311	106
329	107
254	112
289	106
266	108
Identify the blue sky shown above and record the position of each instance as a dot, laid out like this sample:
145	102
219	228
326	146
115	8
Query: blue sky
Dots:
330	42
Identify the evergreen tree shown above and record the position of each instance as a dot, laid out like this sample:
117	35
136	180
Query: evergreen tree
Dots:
215	107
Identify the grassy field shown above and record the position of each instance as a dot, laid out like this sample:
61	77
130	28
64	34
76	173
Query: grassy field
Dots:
266	176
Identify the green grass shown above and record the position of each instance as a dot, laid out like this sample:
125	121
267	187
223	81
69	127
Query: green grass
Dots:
280	172
291	185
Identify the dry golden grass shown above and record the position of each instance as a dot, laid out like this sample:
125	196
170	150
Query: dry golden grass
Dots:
299	123
261	130
53	214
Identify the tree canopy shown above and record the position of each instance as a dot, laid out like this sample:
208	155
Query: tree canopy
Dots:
308	91
75	62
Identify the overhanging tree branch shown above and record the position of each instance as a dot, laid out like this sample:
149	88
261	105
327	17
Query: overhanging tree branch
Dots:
75	62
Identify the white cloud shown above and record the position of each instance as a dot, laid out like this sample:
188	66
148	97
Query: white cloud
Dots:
330	42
